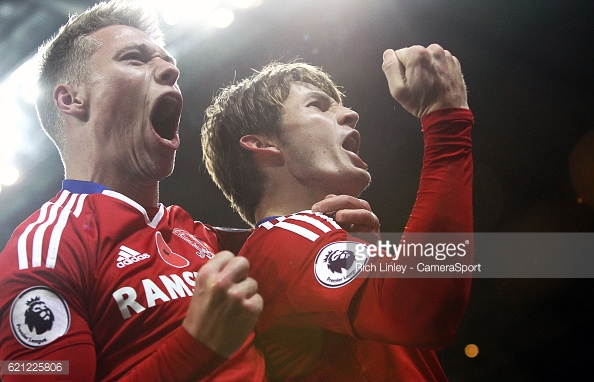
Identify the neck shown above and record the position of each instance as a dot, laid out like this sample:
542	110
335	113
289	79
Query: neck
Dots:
285	199
142	192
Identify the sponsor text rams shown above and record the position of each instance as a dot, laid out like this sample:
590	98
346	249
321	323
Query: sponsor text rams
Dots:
439	251
166	289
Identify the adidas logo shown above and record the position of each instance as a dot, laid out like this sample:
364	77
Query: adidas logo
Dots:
129	256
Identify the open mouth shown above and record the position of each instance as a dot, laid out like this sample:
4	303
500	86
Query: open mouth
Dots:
166	114
352	142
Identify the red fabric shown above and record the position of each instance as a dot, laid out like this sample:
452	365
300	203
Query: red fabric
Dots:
127	281
367	329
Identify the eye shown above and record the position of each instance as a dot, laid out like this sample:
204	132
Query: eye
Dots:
321	105
133	56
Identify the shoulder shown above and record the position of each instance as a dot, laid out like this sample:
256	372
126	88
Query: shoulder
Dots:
35	241
192	230
301	225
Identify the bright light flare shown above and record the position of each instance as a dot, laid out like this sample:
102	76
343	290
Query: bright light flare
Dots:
178	11
246	4
17	96
209	12
24	80
471	350
222	18
8	175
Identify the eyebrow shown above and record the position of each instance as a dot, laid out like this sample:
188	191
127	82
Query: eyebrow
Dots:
148	51
320	95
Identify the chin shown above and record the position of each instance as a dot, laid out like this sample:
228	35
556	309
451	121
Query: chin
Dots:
163	169
365	182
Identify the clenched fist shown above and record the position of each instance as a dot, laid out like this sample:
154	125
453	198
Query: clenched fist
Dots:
423	80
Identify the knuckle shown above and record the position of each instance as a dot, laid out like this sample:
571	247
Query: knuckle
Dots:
241	263
365	204
235	293
253	283
216	285
435	47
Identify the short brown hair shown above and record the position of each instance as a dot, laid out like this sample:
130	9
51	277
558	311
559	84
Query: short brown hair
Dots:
251	106
64	58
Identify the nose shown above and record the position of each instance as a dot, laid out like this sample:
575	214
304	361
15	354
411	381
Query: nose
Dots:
167	73
348	117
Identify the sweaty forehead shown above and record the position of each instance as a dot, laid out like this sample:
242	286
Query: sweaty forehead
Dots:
116	37
301	90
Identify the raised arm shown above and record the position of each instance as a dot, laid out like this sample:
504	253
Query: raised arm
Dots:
428	83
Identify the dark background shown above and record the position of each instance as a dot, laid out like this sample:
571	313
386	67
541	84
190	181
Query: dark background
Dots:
529	73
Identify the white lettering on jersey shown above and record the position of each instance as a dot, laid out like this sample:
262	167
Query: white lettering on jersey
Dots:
189	278
201	249
153	293
126	298
176	286
128	256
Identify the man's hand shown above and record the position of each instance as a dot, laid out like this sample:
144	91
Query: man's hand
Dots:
225	305
423	80
352	214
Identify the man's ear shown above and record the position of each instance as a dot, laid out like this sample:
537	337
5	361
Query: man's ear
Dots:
265	151
67	101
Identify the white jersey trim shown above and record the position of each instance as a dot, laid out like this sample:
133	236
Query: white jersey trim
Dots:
308	219
310	227
298	230
151	223
57	214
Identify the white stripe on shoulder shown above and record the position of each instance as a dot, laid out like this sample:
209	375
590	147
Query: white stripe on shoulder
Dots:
267	225
80	204
22	244
303	224
52	250
298	230
329	220
41	223
310	220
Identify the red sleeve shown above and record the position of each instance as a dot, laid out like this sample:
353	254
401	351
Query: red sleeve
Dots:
444	198
179	358
62	289
427	312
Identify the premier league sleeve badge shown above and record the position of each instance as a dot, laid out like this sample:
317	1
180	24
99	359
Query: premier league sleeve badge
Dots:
39	316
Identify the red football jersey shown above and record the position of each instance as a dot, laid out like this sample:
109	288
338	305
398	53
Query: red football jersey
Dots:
93	279
322	322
